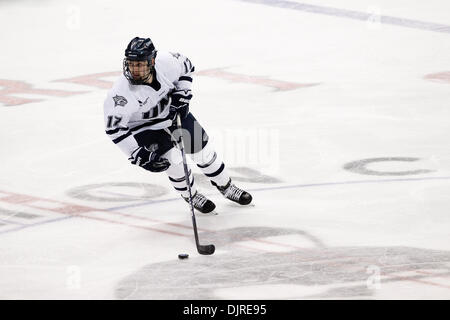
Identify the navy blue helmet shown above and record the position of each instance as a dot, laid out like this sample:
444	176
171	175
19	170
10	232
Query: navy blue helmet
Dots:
139	55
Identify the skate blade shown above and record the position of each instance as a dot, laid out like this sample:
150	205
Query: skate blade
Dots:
212	213
237	205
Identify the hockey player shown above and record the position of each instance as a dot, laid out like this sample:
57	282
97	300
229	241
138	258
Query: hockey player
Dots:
140	116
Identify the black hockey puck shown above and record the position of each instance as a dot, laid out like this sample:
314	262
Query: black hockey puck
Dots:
183	256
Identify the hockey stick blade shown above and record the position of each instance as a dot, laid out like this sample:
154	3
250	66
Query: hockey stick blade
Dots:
206	249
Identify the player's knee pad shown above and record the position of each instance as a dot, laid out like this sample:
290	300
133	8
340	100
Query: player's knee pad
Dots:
176	163
174	156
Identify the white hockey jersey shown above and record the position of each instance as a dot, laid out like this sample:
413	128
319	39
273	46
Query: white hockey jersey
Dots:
130	109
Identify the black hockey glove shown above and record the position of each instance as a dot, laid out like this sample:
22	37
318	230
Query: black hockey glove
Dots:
149	159
180	102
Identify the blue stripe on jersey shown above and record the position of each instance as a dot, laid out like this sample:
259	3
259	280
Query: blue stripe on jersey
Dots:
185	78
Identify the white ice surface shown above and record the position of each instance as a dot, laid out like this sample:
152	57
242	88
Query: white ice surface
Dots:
319	231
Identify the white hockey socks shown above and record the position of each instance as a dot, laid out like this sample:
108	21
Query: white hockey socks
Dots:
176	173
211	164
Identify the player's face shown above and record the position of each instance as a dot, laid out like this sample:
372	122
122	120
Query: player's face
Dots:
139	69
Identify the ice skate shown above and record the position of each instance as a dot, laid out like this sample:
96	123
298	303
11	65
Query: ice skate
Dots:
233	193
201	203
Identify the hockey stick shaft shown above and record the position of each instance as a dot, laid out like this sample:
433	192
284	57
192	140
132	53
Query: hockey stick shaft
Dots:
208	249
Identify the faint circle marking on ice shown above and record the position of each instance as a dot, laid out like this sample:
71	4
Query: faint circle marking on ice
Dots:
360	167
117	191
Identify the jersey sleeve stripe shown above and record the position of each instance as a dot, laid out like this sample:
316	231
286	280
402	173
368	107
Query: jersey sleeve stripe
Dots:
130	131
185	78
115	130
149	124
122	137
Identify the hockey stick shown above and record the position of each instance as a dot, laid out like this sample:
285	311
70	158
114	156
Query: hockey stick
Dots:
202	249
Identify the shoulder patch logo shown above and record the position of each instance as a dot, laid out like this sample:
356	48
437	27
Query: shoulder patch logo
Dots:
119	101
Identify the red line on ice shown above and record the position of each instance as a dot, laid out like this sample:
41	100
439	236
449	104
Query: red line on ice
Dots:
80	211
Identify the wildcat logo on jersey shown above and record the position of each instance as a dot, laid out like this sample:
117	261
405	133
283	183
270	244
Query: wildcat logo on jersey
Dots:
119	101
